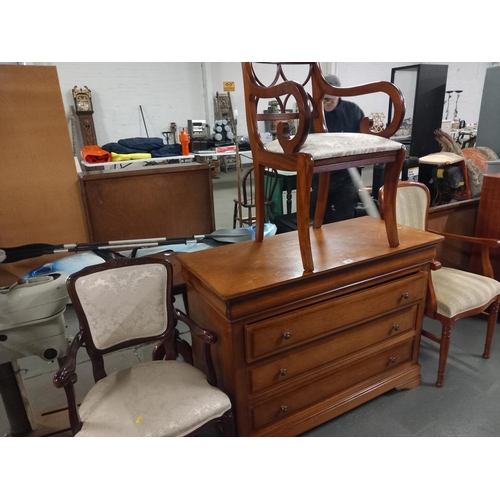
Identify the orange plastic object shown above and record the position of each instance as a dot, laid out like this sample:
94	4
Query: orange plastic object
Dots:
184	140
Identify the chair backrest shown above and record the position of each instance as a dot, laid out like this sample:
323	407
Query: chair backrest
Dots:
412	204
124	302
307	99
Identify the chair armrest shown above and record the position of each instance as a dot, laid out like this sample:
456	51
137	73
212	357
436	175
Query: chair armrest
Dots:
395	95
66	375
435	265
489	242
205	336
484	243
208	338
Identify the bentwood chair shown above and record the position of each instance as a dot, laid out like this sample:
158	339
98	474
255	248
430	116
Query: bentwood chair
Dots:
124	303
247	201
320	152
452	293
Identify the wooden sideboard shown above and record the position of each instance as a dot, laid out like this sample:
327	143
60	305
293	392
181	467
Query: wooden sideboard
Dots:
488	222
148	202
456	218
296	349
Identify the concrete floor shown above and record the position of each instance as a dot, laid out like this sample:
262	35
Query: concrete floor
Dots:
467	405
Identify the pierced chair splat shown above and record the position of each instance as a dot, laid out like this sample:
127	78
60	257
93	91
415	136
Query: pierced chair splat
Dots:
319	152
124	303
452	293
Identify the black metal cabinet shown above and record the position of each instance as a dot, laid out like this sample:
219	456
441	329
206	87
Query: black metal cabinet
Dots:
424	89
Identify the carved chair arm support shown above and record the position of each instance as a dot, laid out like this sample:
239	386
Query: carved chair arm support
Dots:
430	299
66	375
394	94
489	242
484	243
208	338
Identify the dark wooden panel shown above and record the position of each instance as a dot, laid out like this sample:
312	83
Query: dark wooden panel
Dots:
149	202
456	218
488	221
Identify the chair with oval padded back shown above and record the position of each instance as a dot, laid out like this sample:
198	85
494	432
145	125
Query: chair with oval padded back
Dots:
124	303
452	293
320	152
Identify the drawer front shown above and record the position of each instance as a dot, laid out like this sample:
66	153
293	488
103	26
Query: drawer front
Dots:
293	401
337	346
282	332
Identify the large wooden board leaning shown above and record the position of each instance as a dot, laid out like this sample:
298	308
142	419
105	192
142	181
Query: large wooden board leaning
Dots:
39	195
149	202
296	349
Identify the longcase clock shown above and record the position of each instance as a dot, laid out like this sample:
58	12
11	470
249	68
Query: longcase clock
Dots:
84	111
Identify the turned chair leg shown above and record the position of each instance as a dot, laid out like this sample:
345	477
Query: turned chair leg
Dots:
492	321
443	354
260	199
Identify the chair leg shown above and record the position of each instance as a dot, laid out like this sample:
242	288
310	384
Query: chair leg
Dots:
235	214
228	425
492	321
443	353
322	199
391	180
304	182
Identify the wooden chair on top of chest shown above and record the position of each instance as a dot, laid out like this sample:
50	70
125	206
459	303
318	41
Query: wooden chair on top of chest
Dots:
320	152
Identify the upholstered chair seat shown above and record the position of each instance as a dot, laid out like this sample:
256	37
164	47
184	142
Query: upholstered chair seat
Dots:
337	145
460	291
157	398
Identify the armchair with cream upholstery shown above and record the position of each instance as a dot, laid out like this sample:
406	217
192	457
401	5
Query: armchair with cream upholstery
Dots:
124	303
320	152
452	293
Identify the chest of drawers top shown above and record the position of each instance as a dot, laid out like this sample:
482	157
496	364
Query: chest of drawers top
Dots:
231	277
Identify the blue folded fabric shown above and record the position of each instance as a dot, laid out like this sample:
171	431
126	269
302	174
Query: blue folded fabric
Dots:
114	147
142	144
167	150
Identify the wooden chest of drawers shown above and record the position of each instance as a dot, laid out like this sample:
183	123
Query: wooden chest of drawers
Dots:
295	349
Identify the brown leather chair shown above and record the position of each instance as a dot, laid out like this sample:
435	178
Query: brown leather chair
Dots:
124	303
452	293
320	152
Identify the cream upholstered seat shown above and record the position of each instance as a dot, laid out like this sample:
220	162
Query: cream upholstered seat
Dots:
302	86
158	398
337	145
452	293
124	303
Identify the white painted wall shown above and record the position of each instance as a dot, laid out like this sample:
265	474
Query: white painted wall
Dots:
179	91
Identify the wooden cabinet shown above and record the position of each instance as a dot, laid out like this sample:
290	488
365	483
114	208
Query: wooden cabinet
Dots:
296	349
40	200
149	202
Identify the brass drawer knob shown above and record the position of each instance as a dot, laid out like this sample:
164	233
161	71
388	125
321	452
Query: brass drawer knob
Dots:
392	360
406	295
287	335
395	328
284	409
283	372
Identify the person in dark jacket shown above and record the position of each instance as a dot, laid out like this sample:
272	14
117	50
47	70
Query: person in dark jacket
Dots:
340	116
